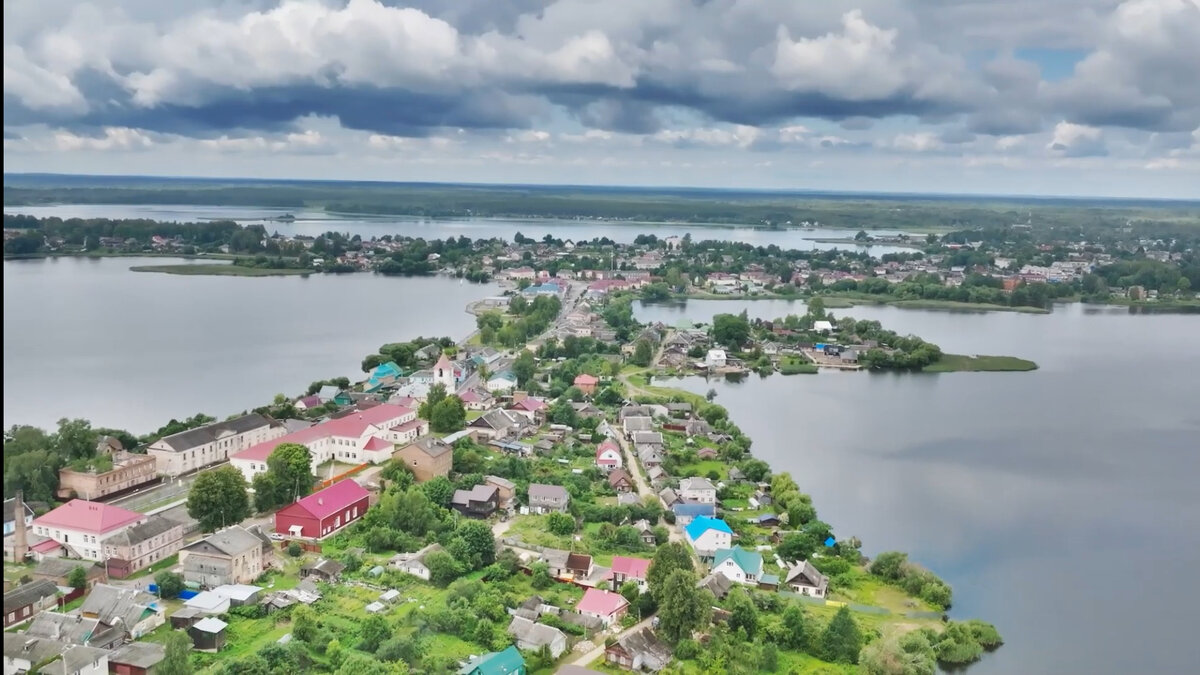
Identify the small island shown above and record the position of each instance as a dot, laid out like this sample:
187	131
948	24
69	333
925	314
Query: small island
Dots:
795	345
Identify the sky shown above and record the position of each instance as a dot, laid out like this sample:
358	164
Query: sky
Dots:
1041	97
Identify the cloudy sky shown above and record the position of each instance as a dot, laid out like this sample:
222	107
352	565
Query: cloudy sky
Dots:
1076	97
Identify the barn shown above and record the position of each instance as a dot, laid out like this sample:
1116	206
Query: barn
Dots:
323	513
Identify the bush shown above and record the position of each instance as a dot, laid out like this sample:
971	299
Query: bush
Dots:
169	583
294	549
560	524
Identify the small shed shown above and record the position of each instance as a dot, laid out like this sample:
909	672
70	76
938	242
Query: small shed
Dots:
323	568
208	634
208	603
185	617
238	594
375	607
390	595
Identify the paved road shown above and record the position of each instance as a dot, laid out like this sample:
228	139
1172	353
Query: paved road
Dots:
598	652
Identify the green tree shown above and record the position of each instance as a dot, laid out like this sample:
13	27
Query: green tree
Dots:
560	524
910	654
842	640
218	499
448	415
683	608
291	466
373	631
670	557
731	330
524	367
169	583
437	393
75	439
443	568
742	612
361	664
304	623
540	577
294	549
178	654
479	542
439	489
77	578
794	633
643	353
889	565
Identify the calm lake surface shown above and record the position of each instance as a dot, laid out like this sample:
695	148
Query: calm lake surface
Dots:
1061	504
89	338
313	222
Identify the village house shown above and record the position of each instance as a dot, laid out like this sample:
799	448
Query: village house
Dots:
532	636
629	569
645	532
506	662
717	584
234	555
686	512
322	513
586	383
698	490
135	611
136	658
740	565
214	443
10	515
708	535
607	606
498	424
26	600
639	651
579	566
363	436
506	488
75	629
608	455
128	471
81	528
57	570
414	563
427	457
621	481
805	579
548	498
324	569
480	501
532	409
23	652
140	546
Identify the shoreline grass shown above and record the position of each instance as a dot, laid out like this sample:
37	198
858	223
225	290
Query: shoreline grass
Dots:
218	270
961	363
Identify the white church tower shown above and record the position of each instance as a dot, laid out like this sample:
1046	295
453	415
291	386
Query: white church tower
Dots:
443	373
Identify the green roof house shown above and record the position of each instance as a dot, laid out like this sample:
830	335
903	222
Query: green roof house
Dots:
507	662
738	564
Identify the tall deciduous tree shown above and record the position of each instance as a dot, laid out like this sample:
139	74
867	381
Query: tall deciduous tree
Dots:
77	578
524	367
743	613
670	557
218	498
683	608
448	415
731	330
842	640
177	659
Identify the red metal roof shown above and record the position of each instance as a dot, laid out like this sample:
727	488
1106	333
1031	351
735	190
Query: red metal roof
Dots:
350	426
530	404
332	499
584	378
604	603
634	568
377	443
85	516
608	444
45	546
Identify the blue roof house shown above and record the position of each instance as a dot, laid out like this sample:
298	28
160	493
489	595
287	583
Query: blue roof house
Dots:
708	535
385	374
685	512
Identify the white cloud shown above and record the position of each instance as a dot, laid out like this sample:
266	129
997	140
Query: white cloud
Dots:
1076	140
921	141
859	63
114	138
37	87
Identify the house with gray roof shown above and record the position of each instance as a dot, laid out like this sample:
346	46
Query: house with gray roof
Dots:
134	610
197	448
74	629
548	498
22	652
805	579
136	657
532	636
26	600
234	555
414	563
639	651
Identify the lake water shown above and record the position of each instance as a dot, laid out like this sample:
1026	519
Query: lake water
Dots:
89	338
313	222
1061	504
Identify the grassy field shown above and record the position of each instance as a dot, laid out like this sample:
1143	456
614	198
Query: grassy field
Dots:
218	270
961	363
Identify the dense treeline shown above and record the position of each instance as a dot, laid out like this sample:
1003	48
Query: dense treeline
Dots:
702	206
33	457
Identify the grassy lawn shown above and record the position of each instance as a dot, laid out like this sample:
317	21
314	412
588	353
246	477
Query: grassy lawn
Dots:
702	468
955	363
218	270
165	563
